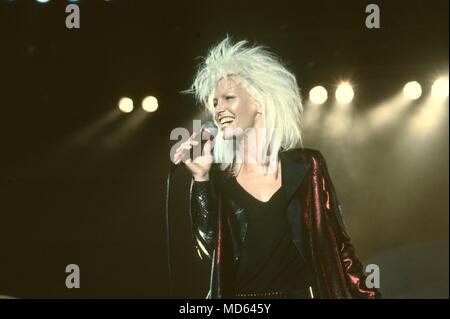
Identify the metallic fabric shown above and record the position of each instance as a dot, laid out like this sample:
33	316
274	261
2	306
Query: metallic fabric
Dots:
315	216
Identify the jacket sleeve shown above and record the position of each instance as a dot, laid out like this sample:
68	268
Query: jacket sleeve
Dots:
203	214
352	266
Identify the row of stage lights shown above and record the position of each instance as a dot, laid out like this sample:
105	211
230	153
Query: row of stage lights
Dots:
317	95
149	104
412	91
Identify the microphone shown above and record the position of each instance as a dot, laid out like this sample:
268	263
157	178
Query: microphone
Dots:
208	130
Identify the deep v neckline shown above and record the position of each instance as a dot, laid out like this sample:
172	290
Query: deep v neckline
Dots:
242	188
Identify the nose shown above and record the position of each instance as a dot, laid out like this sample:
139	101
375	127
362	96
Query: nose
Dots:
219	108
220	105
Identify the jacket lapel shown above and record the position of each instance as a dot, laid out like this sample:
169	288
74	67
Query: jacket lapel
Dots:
293	170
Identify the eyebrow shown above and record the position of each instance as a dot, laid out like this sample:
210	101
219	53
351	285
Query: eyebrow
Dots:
224	95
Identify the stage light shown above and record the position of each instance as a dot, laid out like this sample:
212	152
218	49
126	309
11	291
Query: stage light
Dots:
318	95
440	88
150	104
412	90
126	104
344	93
42	1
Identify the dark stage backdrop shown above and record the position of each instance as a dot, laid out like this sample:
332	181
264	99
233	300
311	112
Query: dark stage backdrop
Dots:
82	183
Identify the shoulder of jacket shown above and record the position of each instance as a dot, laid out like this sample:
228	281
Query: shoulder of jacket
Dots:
303	154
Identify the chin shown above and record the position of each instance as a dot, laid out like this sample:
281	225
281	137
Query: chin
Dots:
230	132
228	135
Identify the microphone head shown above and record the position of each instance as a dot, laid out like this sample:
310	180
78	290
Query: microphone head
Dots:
209	128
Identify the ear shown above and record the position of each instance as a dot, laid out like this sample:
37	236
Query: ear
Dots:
258	107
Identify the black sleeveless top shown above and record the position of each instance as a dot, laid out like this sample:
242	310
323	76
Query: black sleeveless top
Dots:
269	260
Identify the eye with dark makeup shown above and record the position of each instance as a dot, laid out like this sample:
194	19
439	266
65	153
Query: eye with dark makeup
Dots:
227	98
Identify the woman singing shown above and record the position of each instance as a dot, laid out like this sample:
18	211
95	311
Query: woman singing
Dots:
264	210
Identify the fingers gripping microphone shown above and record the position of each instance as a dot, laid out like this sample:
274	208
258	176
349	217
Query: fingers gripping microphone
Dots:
208	131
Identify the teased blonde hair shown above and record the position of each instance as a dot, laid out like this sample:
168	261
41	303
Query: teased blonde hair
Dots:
267	81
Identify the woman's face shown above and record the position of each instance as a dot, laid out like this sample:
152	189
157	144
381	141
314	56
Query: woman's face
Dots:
235	109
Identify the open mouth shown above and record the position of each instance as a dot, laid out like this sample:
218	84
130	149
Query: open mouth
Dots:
226	120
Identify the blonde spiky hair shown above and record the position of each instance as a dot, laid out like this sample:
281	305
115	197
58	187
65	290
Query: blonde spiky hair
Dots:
267	81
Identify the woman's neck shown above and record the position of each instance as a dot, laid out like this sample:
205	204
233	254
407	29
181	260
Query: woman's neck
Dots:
254	159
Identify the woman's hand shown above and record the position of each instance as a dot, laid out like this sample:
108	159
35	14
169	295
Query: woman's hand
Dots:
200	166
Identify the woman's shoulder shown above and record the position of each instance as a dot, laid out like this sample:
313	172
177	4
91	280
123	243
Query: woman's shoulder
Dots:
302	153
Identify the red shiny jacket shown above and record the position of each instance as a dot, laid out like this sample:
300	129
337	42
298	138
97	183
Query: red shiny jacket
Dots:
219	227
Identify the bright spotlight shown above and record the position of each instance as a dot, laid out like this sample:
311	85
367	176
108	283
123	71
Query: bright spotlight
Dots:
42	1
318	95
412	90
126	104
150	104
344	93
440	88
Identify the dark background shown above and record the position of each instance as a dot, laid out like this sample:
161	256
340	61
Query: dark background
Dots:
83	183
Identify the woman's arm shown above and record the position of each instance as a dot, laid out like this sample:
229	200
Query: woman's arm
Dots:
203	213
202	207
352	267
